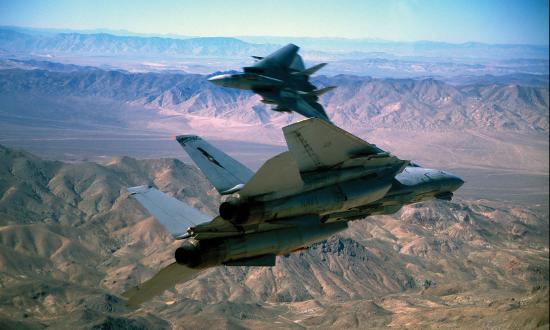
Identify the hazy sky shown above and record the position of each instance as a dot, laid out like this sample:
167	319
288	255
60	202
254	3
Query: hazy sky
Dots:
492	21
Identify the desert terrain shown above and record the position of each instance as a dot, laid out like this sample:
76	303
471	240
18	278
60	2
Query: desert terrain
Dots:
467	263
75	133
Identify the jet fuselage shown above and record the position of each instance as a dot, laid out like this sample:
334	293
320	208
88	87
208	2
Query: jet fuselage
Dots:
272	80
328	195
332	204
299	197
282	80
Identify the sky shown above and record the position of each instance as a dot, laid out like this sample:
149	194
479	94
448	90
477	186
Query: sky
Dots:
456	21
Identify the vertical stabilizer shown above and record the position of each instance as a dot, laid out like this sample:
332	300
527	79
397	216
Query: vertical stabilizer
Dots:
225	173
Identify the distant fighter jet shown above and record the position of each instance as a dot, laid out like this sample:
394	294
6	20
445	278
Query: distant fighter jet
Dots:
282	80
297	198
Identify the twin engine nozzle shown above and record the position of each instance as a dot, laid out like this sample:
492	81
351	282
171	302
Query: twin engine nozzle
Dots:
201	254
188	254
235	211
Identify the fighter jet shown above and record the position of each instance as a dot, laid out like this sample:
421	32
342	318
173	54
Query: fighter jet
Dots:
280	79
297	198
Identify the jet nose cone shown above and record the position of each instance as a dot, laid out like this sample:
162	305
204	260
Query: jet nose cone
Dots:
453	182
219	79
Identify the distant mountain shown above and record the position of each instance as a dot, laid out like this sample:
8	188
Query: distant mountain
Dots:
416	48
433	104
48	41
116	32
376	58
108	44
522	79
357	103
71	240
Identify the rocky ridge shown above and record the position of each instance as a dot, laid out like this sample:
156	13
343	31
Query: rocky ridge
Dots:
83	242
357	103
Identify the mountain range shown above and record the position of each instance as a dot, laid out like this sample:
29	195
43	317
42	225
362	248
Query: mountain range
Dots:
358	102
47	41
108	44
71	240
377	58
463	264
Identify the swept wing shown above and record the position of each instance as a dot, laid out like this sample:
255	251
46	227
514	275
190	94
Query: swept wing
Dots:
316	147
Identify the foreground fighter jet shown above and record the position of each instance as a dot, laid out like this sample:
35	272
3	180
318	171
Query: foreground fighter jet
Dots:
297	198
280	79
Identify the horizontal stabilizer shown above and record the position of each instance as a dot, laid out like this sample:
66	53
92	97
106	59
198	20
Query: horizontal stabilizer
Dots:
312	70
279	109
172	214
310	109
165	279
257	57
225	173
322	91
264	101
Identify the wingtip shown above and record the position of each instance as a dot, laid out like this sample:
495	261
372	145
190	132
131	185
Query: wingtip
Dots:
138	189
183	139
